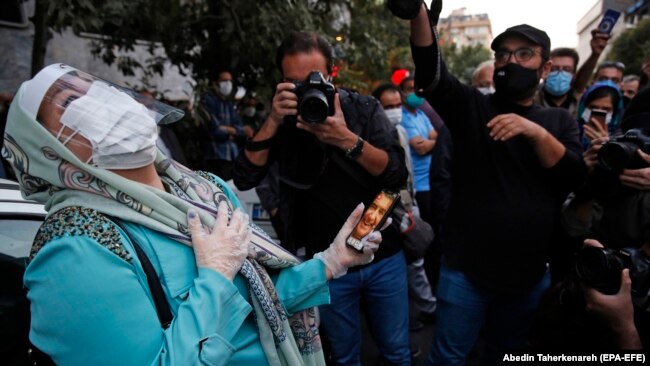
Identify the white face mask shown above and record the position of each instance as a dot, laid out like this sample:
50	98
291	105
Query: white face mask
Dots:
122	132
225	87
394	115
249	111
486	90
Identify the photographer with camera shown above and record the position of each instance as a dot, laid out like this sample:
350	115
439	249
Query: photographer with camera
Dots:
601	305
613	208
334	148
615	309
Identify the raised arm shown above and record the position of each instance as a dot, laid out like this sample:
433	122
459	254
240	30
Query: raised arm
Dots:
583	76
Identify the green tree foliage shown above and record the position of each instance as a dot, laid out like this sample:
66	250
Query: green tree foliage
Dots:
375	42
56	15
204	36
632	46
462	61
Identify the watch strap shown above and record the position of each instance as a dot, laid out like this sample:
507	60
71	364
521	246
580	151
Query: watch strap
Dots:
356	150
258	145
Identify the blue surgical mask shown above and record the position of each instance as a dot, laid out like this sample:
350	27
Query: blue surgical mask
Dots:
413	100
558	83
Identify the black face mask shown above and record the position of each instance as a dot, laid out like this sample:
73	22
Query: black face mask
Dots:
514	82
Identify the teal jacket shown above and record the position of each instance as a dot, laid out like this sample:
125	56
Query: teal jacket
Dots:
91	305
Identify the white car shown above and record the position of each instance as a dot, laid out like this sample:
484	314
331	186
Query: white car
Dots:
19	221
21	218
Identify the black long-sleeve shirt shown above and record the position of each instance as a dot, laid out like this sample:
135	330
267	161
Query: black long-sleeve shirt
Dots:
320	193
504	204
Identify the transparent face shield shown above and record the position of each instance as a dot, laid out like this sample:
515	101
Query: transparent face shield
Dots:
107	125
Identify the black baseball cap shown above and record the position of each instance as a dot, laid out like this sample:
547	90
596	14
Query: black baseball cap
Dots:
525	31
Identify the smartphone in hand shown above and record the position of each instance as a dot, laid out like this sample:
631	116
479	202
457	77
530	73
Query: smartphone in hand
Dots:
609	20
600	116
373	218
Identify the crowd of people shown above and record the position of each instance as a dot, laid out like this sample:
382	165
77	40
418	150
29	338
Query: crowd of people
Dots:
534	178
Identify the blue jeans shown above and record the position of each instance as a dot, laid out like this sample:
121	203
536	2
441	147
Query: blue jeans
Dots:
382	289
463	308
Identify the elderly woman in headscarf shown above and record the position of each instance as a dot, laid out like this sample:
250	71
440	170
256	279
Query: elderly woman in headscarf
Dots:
141	260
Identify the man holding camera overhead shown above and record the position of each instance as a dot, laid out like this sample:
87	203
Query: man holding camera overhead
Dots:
514	162
335	149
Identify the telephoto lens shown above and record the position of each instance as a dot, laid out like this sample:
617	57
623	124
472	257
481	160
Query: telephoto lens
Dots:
315	98
620	152
313	107
600	268
616	155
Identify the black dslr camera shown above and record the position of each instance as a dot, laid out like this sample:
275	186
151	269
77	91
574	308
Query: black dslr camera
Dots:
600	269
620	152
315	98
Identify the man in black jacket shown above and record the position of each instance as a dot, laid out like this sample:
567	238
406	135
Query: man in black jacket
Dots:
325	170
514	163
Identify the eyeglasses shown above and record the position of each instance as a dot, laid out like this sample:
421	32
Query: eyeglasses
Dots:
521	55
614	64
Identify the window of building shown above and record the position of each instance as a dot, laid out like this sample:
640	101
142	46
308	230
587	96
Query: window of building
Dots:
475	30
12	14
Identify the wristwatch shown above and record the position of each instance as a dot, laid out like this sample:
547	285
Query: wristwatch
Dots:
258	145
356	150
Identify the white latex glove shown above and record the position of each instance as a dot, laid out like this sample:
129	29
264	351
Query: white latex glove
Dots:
339	257
225	248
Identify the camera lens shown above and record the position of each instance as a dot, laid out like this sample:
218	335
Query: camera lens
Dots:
616	155
599	268
313	106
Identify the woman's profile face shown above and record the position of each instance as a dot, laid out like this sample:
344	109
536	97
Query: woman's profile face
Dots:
63	92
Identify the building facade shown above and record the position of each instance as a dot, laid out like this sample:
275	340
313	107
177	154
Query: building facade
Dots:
465	29
593	17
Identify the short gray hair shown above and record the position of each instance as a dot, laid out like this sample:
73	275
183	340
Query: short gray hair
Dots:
481	66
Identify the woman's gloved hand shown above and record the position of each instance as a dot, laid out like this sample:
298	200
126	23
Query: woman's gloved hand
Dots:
339	257
225	248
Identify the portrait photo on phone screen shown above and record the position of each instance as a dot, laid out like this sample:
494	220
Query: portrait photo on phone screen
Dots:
373	217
